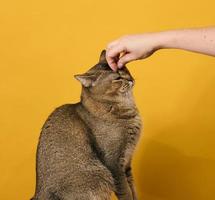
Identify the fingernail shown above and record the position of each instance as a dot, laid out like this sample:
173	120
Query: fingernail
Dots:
120	64
113	68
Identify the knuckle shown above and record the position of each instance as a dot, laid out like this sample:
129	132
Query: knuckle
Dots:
129	57
110	54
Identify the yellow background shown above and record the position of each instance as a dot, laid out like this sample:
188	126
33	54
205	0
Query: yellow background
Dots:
44	43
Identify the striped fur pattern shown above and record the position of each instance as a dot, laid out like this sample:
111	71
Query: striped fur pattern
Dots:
85	149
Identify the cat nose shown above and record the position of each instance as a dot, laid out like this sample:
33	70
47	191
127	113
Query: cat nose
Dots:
131	83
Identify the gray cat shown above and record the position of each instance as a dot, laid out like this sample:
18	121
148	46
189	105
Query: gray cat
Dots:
85	149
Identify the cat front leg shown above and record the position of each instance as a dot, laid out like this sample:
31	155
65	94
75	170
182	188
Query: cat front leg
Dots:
130	180
123	191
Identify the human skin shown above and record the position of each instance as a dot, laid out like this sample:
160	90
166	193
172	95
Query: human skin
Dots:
135	47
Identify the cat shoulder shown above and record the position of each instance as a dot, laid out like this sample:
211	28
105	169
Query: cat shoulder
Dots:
61	113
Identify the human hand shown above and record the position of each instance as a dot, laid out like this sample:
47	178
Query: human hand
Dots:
134	47
131	47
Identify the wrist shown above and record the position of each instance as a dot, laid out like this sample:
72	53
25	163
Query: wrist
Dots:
160	40
166	39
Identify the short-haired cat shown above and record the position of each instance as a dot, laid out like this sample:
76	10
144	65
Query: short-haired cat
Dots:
85	149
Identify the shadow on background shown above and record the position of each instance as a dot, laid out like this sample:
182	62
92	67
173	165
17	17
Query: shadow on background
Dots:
177	162
166	173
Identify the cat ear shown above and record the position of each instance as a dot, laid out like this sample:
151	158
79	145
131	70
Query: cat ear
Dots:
102	58
86	80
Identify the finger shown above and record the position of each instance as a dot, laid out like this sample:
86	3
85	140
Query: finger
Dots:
125	59
115	51
112	44
112	56
112	63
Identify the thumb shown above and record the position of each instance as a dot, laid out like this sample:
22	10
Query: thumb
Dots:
125	59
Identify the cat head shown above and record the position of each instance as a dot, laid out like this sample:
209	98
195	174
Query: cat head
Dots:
101	81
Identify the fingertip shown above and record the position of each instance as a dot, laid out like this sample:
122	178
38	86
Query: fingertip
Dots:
120	64
111	63
113	67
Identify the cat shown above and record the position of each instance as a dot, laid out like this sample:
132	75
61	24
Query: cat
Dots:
85	149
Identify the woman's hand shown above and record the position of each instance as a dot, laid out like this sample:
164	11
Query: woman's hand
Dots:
134	47
131	47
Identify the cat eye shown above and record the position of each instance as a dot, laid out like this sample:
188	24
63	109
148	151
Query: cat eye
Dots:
118	78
